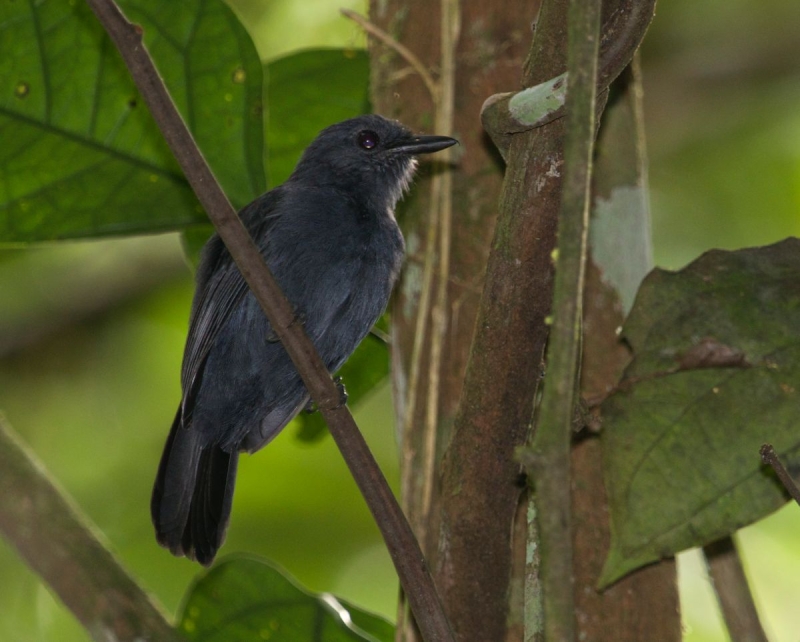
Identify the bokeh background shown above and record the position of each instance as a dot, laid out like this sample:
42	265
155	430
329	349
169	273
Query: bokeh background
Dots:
91	333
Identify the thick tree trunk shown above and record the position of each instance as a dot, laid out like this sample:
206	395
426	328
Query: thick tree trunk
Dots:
490	51
469	510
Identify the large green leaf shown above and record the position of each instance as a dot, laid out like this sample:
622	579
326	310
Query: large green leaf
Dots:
243	598
304	93
81	155
715	374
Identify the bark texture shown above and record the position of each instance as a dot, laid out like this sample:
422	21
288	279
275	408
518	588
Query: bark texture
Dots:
490	52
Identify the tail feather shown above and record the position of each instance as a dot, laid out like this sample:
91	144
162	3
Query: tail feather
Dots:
211	505
192	495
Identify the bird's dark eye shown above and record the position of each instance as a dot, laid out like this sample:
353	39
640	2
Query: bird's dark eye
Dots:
368	139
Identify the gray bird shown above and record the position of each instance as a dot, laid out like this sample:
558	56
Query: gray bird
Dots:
330	238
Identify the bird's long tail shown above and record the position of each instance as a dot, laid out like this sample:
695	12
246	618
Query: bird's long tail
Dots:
193	494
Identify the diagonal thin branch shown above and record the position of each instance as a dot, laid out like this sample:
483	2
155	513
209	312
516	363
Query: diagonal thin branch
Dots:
403	547
57	542
770	457
409	56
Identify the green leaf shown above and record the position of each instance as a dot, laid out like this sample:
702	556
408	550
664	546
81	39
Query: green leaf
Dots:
715	374
242	598
305	92
81	156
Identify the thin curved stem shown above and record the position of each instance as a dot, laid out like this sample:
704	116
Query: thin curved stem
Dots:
404	52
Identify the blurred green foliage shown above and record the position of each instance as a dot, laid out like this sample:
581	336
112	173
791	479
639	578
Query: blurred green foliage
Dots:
721	96
94	394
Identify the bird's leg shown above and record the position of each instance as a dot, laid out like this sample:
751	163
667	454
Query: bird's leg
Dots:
311	406
299	317
342	391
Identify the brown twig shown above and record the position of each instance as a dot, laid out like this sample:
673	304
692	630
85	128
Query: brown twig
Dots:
407	55
400	541
733	592
770	457
57	542
438	227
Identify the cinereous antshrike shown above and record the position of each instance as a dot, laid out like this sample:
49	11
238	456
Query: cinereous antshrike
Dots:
330	238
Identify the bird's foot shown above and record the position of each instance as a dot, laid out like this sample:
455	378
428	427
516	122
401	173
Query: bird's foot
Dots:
342	391
299	318
311	405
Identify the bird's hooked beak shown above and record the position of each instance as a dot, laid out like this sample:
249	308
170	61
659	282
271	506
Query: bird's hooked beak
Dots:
423	144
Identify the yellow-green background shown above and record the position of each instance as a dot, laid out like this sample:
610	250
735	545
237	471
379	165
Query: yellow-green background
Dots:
95	399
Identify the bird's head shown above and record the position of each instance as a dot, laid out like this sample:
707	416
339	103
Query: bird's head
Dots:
370	157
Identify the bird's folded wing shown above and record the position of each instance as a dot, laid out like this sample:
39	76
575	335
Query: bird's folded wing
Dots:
220	289
223	292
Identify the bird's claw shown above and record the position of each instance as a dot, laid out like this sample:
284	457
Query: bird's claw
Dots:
311	406
342	391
